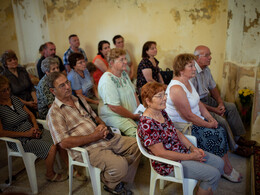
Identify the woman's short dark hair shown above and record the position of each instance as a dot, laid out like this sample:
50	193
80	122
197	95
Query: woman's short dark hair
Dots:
41	48
3	81
100	46
116	37
73	58
180	61
149	90
91	67
146	47
8	54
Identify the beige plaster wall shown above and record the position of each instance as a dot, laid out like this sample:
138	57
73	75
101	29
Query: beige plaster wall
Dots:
8	37
243	34
242	65
176	26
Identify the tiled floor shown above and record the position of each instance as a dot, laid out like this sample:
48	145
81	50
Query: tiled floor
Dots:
140	186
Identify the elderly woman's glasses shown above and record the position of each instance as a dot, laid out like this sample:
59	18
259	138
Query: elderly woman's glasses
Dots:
81	62
160	96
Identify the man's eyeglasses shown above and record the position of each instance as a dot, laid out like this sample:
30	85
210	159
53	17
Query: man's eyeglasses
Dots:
160	96
206	55
63	85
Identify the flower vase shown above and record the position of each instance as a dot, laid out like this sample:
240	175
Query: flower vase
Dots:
246	111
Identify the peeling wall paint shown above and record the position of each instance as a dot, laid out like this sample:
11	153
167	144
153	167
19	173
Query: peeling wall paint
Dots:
253	22
243	40
242	51
205	11
175	25
8	33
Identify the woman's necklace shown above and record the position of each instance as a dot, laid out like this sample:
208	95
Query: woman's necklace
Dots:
155	115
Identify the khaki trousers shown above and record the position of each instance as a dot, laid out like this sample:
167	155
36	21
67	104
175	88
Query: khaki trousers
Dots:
118	162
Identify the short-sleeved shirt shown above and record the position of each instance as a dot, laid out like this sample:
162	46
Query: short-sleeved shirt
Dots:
70	51
65	121
203	81
44	97
116	91
77	82
147	64
21	86
153	132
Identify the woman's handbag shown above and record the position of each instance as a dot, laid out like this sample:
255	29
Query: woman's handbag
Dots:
167	75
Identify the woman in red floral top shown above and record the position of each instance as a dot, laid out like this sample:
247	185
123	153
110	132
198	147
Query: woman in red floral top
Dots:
160	138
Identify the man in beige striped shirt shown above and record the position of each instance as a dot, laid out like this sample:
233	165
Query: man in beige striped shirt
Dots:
72	125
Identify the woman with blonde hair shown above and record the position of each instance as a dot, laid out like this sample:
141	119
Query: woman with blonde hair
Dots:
118	97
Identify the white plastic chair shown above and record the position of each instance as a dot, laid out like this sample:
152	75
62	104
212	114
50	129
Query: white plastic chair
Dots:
45	126
28	159
188	185
94	172
31	69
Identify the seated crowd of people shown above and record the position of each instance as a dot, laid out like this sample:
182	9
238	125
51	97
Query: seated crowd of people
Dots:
81	100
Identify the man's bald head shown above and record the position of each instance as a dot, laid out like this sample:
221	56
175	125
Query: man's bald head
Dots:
203	56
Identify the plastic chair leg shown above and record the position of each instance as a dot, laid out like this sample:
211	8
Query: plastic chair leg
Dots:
70	178
95	180
10	169
161	184
188	186
30	168
152	184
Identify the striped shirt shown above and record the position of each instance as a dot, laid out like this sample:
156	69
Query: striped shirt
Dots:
65	121
70	51
203	81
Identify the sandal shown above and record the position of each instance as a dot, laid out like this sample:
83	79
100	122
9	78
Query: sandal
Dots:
119	189
78	176
56	178
237	173
233	177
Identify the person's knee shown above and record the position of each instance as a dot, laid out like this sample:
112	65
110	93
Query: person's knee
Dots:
119	169
230	107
